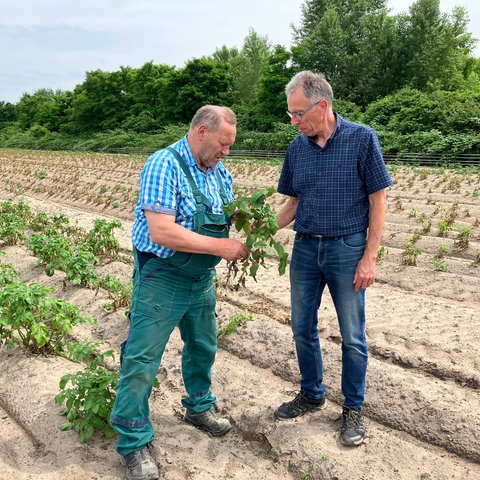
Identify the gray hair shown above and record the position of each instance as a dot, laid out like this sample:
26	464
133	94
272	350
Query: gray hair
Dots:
212	116
315	86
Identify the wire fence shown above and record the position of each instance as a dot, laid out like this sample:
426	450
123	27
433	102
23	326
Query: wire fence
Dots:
421	159
433	159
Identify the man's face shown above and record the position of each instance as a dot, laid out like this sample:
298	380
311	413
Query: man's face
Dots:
216	145
305	115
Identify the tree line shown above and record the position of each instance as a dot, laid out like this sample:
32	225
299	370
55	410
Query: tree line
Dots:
411	76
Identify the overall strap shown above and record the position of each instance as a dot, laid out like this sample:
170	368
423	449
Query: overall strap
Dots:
200	198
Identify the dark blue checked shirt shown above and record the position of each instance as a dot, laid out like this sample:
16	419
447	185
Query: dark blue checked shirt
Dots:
334	181
164	188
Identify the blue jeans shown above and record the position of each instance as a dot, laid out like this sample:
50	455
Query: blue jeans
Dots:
317	263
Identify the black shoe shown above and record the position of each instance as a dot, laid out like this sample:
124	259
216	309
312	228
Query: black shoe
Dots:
140	465
298	406
353	428
208	421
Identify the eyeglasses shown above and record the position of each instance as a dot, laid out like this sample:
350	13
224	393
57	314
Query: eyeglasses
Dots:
299	115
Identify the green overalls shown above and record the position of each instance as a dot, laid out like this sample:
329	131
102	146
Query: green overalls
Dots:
169	292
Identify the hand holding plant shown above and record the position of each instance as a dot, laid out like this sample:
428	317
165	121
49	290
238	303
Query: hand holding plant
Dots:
255	217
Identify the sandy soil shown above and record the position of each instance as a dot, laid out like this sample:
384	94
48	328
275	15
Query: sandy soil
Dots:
423	385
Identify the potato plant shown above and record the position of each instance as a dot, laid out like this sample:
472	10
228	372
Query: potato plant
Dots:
101	239
56	248
120	293
14	220
8	274
80	266
234	323
410	253
88	397
30	317
53	251
254	216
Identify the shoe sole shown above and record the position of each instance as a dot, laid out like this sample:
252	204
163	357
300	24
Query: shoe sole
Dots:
314	409
148	476
205	429
351	442
151	475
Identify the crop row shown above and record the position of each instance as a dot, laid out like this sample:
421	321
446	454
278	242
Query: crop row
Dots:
32	318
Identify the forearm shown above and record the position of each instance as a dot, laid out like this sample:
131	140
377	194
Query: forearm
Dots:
164	231
365	271
178	238
288	212
376	224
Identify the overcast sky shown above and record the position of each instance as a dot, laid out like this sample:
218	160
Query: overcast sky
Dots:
53	43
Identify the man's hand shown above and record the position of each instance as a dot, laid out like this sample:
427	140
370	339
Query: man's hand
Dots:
231	249
364	274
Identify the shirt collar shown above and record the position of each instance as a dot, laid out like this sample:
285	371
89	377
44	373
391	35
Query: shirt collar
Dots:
338	127
184	149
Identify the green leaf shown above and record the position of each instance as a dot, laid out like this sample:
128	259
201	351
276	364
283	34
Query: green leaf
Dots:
241	219
66	426
49	269
279	249
283	264
253	270
86	433
251	238
258	221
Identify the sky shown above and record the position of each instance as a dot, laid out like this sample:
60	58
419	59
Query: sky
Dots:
53	43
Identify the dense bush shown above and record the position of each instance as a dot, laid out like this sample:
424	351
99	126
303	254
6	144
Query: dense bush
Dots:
406	121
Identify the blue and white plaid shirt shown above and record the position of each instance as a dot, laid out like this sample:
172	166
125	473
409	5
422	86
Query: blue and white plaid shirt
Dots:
164	188
333	182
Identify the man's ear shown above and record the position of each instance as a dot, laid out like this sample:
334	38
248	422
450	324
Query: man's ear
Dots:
202	131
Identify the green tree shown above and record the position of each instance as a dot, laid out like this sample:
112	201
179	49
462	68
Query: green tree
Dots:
321	44
342	39
447	112
435	46
380	113
201	81
270	103
101	102
427	122
44	108
225	54
8	114
367	54
390	76
409	111
146	89
247	67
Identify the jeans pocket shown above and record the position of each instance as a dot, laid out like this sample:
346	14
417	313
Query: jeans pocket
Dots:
355	240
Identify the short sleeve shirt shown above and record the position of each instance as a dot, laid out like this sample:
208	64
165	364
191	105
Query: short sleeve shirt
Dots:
333	182
164	188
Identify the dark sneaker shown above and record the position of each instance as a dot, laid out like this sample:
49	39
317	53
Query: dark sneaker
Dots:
208	421
353	428
298	406
140	465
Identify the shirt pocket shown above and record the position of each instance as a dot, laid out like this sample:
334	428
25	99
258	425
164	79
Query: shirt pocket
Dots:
186	205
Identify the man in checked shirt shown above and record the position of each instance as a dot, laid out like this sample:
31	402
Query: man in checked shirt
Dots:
179	235
336	180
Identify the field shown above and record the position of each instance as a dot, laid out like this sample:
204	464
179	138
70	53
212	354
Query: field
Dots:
423	328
